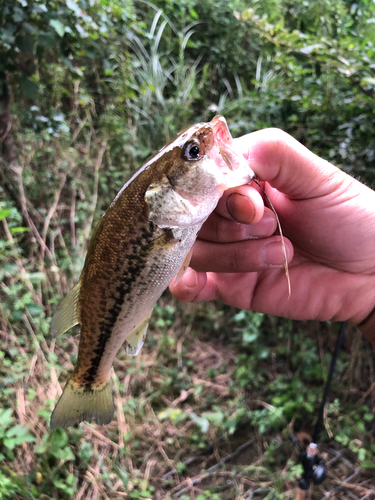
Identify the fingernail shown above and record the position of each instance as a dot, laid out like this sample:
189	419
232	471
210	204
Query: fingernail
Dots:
268	218
265	227
273	254
190	278
239	207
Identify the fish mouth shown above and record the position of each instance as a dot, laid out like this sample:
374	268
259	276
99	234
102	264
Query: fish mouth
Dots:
224	140
221	132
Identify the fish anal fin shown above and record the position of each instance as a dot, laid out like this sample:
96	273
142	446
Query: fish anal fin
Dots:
78	404
66	315
135	340
184	266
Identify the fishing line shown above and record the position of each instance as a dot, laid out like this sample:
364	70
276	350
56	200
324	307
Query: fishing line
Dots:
257	182
314	467
319	422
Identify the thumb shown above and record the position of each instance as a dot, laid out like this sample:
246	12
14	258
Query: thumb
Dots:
288	166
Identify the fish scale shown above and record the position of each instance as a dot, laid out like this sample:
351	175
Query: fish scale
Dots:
127	278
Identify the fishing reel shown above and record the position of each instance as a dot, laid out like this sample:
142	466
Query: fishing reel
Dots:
314	467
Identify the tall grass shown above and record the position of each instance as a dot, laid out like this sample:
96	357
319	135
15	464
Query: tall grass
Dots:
166	87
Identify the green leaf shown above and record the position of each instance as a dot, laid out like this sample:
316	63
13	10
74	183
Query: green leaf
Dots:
58	26
15	230
29	88
368	464
25	43
37	277
202	422
58	439
28	28
18	15
7	32
86	451
175	414
64	485
144	494
6	417
193	14
368	81
248	338
38	8
214	417
34	309
64	454
4	213
74	7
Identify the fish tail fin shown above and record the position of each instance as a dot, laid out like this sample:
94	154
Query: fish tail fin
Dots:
78	403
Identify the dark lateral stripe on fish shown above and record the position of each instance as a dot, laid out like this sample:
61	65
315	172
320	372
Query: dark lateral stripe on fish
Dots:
134	264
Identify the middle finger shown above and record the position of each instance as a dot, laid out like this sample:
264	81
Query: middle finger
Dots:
221	230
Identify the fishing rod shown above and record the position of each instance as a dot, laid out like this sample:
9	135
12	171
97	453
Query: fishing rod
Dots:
314	467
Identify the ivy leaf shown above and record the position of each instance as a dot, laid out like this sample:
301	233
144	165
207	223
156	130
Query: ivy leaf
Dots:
7	32
57	26
28	87
18	15
25	43
74	7
29	28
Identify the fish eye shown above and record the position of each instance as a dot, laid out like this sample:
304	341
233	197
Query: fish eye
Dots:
192	151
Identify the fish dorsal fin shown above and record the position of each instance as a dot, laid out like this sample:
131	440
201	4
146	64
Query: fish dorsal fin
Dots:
135	340
66	315
184	266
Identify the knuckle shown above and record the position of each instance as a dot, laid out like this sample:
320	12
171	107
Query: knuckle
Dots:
235	260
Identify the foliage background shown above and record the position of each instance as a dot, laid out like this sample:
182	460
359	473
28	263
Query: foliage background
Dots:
88	90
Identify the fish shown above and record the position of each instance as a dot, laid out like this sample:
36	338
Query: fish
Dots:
140	244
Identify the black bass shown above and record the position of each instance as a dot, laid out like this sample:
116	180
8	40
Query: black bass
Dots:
140	244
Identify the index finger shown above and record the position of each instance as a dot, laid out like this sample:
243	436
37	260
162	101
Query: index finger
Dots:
243	204
288	166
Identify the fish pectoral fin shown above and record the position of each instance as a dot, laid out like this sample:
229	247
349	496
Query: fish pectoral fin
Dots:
135	340
184	266
168	208
66	315
78	403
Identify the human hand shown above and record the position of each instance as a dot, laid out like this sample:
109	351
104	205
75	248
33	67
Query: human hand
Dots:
328	219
